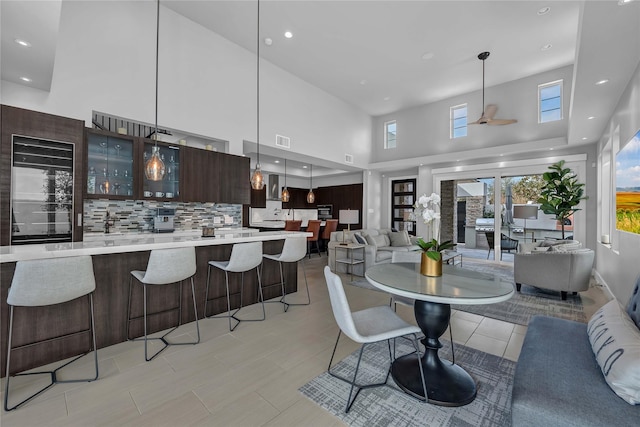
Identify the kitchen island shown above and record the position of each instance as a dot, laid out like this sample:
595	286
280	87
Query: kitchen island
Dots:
114	257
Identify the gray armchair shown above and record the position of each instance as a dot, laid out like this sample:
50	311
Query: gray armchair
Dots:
559	271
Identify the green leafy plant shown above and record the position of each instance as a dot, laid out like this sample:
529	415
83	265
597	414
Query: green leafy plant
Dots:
561	193
433	249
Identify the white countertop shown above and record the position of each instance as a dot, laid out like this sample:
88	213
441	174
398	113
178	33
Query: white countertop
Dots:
133	242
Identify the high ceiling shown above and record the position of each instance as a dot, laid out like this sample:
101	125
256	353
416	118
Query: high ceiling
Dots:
385	56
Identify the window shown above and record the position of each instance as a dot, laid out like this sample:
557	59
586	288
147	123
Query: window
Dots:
403	198
458	121
390	134
550	102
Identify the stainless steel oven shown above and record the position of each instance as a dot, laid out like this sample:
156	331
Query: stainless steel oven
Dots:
325	212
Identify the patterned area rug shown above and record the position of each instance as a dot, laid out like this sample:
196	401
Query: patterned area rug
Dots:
522	306
390	406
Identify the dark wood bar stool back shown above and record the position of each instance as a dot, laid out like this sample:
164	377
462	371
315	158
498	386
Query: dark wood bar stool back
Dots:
313	227
330	226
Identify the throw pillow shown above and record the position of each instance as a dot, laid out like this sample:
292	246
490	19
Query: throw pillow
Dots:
378	241
615	341
546	243
359	239
542	249
565	247
399	238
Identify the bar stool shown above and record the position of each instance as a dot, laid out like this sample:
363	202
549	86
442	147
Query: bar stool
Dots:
330	226
165	266
313	226
49	282
294	250
292	225
244	257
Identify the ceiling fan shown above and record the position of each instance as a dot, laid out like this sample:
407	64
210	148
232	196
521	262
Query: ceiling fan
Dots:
490	110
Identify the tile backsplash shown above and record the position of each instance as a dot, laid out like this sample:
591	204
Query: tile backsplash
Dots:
138	215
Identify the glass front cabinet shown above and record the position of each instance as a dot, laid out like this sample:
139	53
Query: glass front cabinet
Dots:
115	167
110	166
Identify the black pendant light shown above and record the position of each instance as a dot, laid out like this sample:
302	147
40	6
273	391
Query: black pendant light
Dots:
311	198
154	167
285	191
257	180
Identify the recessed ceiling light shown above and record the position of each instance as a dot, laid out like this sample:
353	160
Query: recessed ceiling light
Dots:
546	46
544	10
584	138
386	98
427	56
621	2
304	166
276	161
288	34
22	42
421	164
501	154
25	79
268	41
551	149
601	82
591	117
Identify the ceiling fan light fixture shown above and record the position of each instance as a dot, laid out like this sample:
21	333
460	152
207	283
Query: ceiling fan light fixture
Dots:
490	110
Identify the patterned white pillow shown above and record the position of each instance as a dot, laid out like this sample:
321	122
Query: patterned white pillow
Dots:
615	341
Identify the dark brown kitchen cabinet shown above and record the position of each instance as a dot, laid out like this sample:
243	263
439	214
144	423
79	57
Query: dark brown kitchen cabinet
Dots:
209	176
199	175
34	125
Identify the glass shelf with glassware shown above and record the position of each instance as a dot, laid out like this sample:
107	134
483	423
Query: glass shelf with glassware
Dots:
110	165
167	187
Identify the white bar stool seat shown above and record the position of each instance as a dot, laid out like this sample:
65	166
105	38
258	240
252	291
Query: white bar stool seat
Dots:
294	250
165	266
244	257
49	282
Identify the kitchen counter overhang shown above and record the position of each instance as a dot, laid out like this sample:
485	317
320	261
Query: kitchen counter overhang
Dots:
113	244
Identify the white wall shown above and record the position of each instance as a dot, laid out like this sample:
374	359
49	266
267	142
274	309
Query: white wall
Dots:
618	265
105	61
424	130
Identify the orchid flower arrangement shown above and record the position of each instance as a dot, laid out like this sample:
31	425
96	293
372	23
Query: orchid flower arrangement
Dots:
428	208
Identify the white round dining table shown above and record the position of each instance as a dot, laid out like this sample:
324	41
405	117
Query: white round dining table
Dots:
447	384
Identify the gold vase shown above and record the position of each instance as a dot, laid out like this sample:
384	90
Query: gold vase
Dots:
430	267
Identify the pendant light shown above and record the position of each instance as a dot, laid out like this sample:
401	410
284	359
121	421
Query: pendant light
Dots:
285	191
154	167
257	180
311	198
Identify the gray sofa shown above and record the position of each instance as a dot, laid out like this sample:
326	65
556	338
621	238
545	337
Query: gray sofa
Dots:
558	381
555	270
373	254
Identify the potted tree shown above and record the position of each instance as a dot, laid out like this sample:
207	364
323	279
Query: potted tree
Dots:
561	193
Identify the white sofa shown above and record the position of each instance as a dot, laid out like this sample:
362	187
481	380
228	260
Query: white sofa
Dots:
380	244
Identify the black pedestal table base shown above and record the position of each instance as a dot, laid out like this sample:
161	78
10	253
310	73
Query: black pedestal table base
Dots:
447	384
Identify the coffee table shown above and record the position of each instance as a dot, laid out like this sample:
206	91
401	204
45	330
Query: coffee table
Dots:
447	384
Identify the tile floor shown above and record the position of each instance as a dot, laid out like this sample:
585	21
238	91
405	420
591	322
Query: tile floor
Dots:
249	377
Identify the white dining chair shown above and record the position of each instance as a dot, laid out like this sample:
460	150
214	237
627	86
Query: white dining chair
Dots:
368	326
